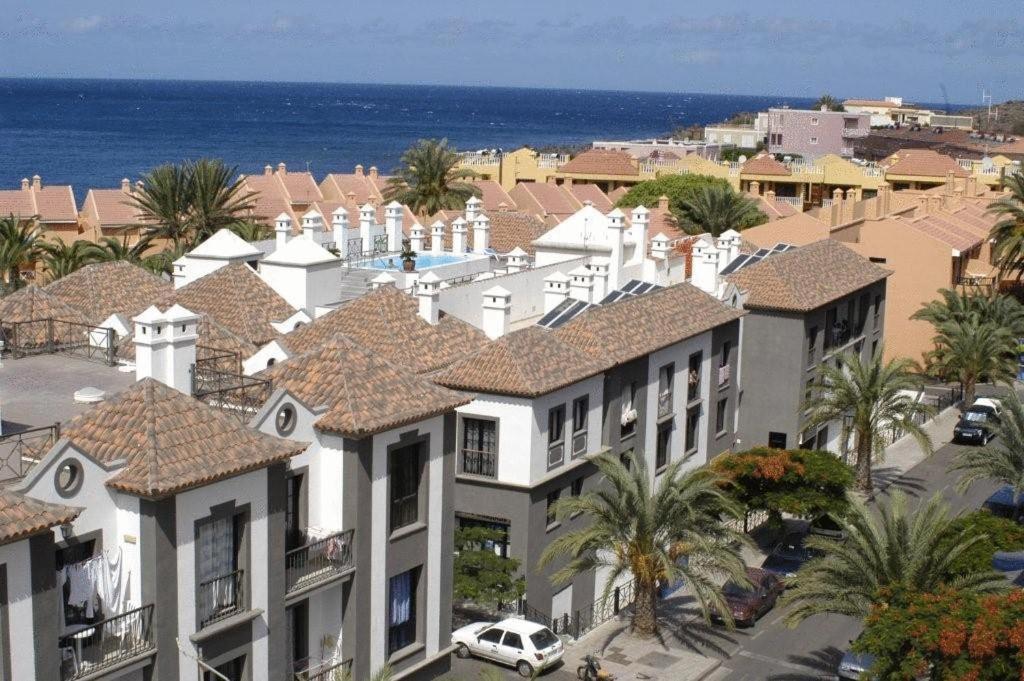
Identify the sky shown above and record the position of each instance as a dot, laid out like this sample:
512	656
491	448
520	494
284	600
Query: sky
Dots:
923	50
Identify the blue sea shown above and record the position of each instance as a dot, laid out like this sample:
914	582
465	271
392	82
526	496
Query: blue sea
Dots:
91	133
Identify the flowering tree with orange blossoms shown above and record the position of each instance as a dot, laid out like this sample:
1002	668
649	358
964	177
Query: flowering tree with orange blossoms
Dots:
946	635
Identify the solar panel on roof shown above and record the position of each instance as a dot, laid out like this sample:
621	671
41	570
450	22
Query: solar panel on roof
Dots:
556	312
762	252
736	264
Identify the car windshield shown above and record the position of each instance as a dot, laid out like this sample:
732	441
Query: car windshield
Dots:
543	639
733	589
975	416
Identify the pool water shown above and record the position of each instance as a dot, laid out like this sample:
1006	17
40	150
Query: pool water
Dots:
423	261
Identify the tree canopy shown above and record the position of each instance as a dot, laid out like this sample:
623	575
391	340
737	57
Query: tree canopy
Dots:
998	534
686	198
481	575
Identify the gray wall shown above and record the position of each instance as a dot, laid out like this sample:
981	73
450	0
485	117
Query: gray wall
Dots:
158	561
45	625
716	444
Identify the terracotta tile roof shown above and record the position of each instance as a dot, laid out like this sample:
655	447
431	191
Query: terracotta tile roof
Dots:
543	199
806	278
922	163
764	164
281	188
237	298
509	229
388	321
601	162
796	230
631	328
870	102
214	338
363	393
365	187
110	208
22	516
55	203
663	221
949	231
617	193
584	191
527	363
31	303
773	209
493	195
103	289
171	442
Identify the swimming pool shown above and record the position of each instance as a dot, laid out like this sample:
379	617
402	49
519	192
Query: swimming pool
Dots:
423	261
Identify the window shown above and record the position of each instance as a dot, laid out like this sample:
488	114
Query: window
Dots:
577	487
402	610
721	415
556	436
777	440
628	409
862	312
498	545
479	447
492	636
814	121
880	261
233	671
877	309
297	631
219	576
812	344
580	409
513	641
831	327
693	376
552	519
666	375
404	471
294	534
723	361
814	140
822	441
662	453
692	426
285	420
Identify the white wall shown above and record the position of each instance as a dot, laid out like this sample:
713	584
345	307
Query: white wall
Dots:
192	268
19	609
194	505
593	387
304	286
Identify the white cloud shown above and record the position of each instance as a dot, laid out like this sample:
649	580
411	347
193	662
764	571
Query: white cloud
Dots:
83	24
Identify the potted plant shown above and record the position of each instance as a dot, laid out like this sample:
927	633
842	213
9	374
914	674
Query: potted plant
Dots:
408	256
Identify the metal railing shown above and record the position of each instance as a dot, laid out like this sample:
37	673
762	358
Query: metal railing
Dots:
664	403
220	597
975	280
20	451
325	671
214	359
107	642
404	511
235	393
477	462
318	560
581	621
49	336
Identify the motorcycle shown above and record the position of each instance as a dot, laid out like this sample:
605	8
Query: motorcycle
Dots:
591	670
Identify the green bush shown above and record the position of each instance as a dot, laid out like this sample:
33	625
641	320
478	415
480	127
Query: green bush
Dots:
1001	535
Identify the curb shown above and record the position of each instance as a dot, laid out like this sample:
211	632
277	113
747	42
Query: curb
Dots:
710	670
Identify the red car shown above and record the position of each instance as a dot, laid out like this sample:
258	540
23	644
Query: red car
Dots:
748	604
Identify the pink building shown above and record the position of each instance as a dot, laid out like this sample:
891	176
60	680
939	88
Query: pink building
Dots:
813	134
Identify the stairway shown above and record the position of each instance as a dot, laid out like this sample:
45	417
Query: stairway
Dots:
355	282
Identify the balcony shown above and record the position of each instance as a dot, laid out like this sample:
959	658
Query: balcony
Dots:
220	597
851	133
664	403
107	644
319	561
477	462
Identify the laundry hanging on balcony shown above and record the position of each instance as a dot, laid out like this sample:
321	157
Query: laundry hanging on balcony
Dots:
94	588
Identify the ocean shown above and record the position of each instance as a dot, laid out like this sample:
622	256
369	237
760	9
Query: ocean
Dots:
91	133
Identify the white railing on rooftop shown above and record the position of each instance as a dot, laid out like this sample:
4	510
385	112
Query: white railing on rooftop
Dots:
873	171
791	200
856	132
965	163
551	160
826	203
473	159
806	168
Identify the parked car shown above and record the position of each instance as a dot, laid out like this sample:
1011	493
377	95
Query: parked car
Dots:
826	526
518	643
788	555
747	604
853	665
1001	503
978	424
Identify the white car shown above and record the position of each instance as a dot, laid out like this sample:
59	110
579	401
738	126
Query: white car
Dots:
527	646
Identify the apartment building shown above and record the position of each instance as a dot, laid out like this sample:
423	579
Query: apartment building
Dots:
813	134
111	212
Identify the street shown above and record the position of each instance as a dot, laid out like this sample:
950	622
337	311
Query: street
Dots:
770	650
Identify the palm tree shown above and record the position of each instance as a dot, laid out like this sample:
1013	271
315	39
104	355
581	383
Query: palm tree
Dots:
868	397
644	533
1007	235
717	209
953	306
61	259
250	231
216	200
1003	461
973	350
430	179
20	241
890	548
829	102
162	263
164	200
111	249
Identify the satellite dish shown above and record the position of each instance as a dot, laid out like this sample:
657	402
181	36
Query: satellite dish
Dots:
742	158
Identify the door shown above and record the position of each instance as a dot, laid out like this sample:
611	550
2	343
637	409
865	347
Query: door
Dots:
561	608
488	642
511	649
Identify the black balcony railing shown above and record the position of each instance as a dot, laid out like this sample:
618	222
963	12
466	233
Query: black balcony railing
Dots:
664	403
325	671
404	511
220	597
476	462
318	560
102	645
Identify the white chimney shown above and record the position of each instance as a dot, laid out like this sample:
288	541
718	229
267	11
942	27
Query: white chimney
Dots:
437	237
126	185
382	279
581	284
429	293
641	220
473	206
556	289
417	235
497	312
518	260
367	219
659	247
282	230
616	224
165	346
734	241
393	225
705	266
481	233
459	235
339	230
312	225
599	266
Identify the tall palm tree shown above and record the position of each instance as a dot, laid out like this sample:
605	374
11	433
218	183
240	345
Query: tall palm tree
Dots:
61	259
1002	461
430	179
164	200
216	200
251	231
1007	235
954	306
112	249
973	350
643	531
868	397
891	548
829	102
717	209
20	241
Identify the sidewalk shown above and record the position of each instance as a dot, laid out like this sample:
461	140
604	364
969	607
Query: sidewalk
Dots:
905	453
